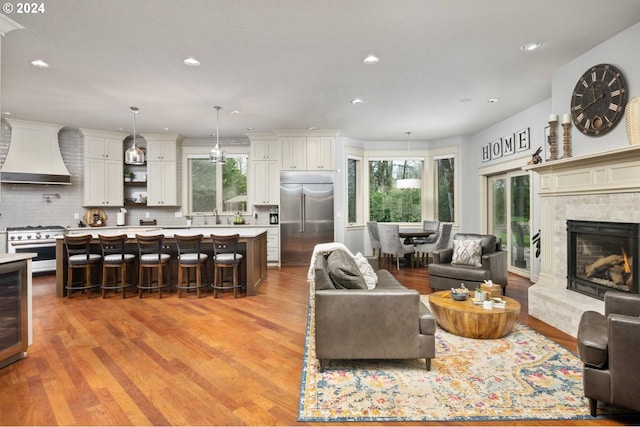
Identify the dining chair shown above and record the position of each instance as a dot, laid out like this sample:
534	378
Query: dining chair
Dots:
226	256
432	226
114	257
442	238
374	238
391	245
79	256
190	258
150	257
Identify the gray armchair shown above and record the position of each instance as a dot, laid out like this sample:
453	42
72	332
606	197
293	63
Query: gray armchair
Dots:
445	275
608	346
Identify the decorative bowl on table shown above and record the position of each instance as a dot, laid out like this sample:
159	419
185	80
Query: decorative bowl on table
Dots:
459	294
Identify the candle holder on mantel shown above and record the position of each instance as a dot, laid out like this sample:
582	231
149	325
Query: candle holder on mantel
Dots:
566	145
553	151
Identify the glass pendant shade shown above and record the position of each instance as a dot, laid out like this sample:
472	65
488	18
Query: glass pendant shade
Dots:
217	155
134	155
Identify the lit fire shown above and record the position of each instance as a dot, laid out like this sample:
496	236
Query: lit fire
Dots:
627	268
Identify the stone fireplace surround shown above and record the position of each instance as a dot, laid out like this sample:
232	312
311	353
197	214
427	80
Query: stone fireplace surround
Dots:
595	187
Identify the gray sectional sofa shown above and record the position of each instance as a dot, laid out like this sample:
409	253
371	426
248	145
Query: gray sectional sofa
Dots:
354	322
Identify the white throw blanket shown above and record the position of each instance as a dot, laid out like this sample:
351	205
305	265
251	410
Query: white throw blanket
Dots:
323	248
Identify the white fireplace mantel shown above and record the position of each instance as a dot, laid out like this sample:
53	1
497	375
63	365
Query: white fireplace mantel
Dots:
615	171
593	187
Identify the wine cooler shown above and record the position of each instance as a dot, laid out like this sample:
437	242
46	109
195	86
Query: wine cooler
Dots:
13	312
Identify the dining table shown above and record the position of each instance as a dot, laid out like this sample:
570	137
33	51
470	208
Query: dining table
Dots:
412	233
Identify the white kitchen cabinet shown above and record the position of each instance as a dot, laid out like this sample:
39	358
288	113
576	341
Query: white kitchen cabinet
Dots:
162	187
265	149
320	153
273	245
162	169
161	150
307	153
293	153
103	168
266	183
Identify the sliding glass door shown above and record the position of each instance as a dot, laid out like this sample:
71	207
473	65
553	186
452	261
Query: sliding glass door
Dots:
509	217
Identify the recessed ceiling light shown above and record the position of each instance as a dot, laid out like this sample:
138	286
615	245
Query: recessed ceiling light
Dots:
492	100
166	129
311	128
371	59
39	63
191	62
6	113
531	46
357	101
236	112
249	129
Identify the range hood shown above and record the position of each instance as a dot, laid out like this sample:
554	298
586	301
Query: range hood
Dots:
34	155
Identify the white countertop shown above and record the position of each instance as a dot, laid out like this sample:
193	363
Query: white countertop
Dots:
7	258
169	232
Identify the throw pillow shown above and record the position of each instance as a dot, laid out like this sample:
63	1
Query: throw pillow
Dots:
467	252
344	272
367	271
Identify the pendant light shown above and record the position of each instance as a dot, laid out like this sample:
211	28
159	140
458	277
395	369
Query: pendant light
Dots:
217	155
408	183
134	155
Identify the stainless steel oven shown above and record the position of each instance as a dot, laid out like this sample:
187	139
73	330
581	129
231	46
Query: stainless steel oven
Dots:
37	239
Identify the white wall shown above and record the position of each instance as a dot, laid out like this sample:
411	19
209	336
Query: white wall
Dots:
621	51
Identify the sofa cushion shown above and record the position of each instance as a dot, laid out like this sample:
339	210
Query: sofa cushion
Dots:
467	252
489	241
344	271
386	280
463	273
321	274
367	271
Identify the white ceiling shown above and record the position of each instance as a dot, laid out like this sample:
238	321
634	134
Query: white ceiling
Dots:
293	64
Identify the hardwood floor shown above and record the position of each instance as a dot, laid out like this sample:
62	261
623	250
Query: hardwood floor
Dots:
173	361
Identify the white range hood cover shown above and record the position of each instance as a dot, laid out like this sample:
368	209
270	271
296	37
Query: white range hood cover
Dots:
34	154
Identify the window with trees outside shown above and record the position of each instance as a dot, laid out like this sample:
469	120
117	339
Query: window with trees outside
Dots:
354	206
388	202
218	186
445	189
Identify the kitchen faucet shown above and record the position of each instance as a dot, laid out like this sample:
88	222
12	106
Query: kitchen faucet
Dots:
215	212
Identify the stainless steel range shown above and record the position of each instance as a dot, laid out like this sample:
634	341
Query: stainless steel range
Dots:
39	239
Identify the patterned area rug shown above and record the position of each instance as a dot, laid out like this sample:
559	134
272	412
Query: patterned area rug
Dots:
523	376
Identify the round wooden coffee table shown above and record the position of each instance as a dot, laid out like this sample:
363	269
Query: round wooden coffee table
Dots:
466	319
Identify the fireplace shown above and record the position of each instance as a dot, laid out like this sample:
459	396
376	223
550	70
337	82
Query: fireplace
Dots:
600	257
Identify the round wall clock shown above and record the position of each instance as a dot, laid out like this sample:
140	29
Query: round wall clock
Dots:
598	100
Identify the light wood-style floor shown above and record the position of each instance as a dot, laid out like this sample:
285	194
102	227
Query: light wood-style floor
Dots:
177	361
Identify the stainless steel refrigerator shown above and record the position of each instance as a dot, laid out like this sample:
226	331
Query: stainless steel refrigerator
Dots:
306	214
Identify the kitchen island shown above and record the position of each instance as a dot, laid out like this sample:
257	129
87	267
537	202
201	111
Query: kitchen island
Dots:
252	244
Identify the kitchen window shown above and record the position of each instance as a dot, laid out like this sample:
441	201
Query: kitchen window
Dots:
217	186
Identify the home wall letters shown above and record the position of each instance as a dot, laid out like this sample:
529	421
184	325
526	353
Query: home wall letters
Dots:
506	146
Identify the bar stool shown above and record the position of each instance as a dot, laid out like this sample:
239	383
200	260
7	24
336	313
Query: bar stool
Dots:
225	256
189	258
114	257
150	256
79	256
